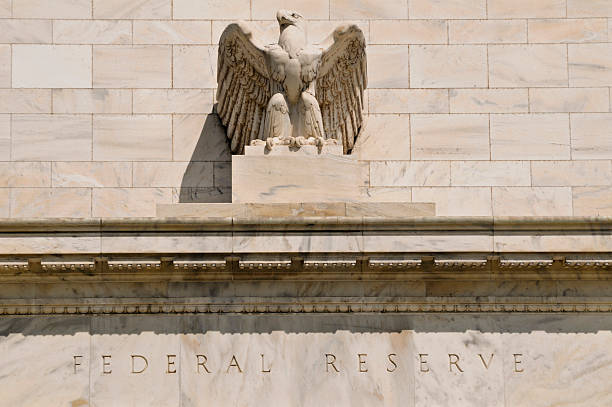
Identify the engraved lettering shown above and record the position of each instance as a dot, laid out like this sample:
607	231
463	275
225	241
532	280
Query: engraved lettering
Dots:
362	362
389	369
423	362
486	364
171	364
201	360
263	369
77	358
106	363
517	362
234	363
330	362
144	366
453	359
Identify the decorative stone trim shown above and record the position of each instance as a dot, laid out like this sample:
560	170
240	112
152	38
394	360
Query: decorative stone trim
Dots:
323	305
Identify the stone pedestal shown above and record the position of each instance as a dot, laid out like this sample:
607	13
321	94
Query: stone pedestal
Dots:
298	178
279	210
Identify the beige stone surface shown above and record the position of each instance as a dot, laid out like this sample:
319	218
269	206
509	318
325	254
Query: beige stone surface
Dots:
282	210
267	30
297	243
377	242
199	138
457	66
5	8
91	174
383	137
527	65
571	173
195	66
319	30
5	137
388	194
526	8
76	9
464	9
133	138
135	387
128	202
587	243
590	64
50	202
456	201
92	101
171	174
591	136
592	201
153	66
141	66
450	137
408	100
5	66
311	9
184	243
117	9
591	8
26	31
212	9
275	179
568	30
33	377
38	137
409	173
347	9
25	101
490	173
488	100
173	101
65	66
487	31
569	100
172	32
4	202
388	66
92	32
536	201
408	32
25	174
513	137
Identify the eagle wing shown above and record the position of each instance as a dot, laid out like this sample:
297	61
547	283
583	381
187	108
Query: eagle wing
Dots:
245	84
341	81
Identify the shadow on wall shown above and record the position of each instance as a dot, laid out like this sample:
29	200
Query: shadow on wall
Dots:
305	323
212	152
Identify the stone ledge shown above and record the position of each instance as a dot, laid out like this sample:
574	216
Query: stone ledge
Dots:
438	223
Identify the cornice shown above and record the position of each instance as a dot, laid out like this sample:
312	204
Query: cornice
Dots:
333	223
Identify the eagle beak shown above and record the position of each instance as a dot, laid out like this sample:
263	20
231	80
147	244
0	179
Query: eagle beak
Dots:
283	17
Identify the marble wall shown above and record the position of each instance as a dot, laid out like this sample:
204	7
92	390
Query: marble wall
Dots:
105	105
308	360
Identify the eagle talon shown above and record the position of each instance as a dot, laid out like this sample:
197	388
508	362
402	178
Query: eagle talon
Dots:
300	141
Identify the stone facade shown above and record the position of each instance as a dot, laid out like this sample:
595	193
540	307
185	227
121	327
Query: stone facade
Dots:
460	256
106	106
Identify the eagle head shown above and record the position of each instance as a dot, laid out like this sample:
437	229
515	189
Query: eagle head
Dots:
290	18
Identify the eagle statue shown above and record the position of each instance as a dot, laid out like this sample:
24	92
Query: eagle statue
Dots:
291	93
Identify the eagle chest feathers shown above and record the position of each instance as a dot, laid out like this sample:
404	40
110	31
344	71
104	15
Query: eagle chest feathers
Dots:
291	93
